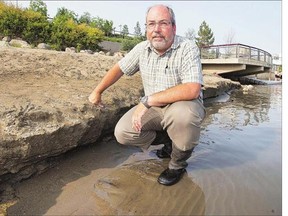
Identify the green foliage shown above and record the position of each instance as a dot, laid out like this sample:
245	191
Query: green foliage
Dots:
85	18
205	35
125	30
67	33
29	25
38	6
104	25
66	14
38	29
12	20
63	31
113	39
127	45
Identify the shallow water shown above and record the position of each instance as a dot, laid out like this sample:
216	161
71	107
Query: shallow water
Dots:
238	162
235	170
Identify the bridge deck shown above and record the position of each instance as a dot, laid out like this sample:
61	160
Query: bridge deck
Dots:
235	60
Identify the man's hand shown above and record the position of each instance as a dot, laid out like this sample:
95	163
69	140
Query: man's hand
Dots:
137	117
95	98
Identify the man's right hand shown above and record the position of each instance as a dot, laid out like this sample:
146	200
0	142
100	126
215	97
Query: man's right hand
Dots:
95	98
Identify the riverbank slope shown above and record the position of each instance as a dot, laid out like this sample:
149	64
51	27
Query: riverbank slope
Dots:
44	110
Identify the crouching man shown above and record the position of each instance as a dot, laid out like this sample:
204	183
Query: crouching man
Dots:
172	110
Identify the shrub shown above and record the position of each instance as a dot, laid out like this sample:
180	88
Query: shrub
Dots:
12	21
38	28
67	33
127	45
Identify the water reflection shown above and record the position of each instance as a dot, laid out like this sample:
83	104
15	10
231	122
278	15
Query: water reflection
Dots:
255	106
237	131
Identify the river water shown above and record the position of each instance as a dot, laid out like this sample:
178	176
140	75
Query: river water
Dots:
235	170
238	162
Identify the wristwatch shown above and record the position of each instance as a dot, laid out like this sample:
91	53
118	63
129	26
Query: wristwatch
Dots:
144	101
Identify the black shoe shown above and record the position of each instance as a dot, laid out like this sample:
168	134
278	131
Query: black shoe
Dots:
165	151
171	176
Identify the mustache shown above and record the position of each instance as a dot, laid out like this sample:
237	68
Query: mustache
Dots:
157	36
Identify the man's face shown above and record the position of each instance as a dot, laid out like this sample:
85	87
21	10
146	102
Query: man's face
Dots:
160	31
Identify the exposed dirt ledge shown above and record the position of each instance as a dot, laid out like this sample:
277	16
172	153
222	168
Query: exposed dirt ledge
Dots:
44	111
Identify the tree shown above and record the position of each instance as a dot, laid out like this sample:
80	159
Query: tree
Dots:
38	6
229	38
65	14
125	30
205	35
104	25
85	18
190	34
137	30
107	27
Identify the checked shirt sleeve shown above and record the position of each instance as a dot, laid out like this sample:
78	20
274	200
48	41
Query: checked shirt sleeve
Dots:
191	68
130	63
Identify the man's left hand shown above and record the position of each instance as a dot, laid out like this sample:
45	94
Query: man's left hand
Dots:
137	117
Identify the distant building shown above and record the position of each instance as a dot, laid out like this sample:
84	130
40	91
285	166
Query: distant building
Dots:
277	63
277	66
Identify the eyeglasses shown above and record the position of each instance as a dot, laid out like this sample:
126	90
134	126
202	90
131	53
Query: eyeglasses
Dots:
162	24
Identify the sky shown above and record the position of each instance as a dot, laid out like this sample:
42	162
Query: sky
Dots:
253	23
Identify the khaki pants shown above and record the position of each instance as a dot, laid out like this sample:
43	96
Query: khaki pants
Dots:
181	120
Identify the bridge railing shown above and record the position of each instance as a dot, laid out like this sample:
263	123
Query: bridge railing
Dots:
227	51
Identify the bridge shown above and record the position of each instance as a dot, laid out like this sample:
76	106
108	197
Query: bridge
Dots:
235	60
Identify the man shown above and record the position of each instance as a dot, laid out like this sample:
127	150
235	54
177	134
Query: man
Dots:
172	110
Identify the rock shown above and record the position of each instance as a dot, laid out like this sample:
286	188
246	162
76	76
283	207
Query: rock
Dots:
215	86
118	54
19	43
109	54
247	88
70	50
4	44
86	51
43	46
7	39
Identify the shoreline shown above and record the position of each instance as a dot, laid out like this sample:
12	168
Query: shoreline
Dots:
45	113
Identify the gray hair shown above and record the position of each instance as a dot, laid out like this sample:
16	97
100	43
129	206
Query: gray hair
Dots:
170	10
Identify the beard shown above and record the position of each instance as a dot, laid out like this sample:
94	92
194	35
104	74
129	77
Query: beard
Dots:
161	43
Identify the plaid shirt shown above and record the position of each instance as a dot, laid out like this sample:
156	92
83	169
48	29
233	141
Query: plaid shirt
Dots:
179	64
